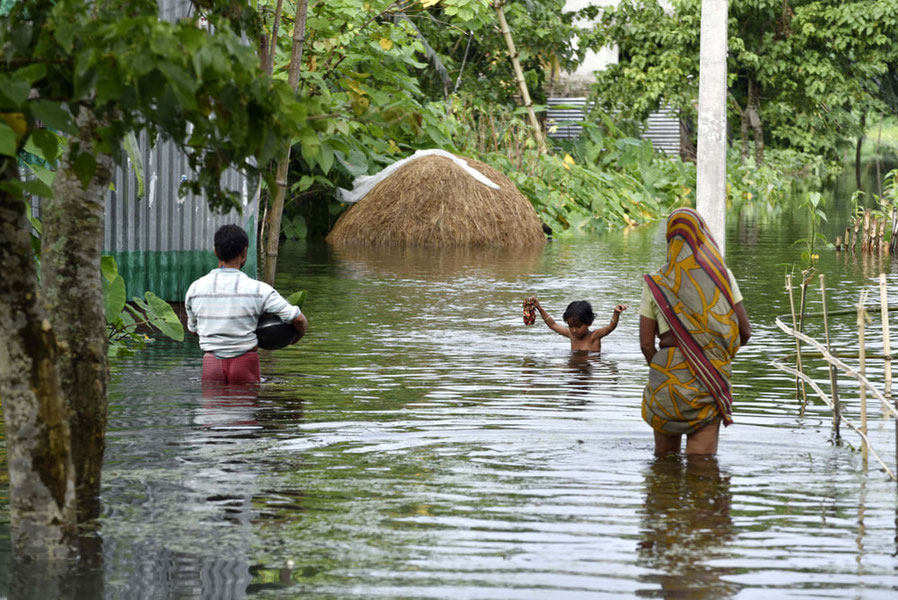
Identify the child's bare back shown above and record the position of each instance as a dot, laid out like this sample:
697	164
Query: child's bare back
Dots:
579	317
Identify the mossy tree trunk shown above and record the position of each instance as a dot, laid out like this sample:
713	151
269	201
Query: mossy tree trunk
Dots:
41	474
72	243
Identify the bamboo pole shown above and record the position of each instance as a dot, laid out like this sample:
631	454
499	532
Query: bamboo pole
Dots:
861	313
845	368
865	244
874	235
277	201
893	243
519	75
805	279
799	384
864	440
268	63
833	374
886	341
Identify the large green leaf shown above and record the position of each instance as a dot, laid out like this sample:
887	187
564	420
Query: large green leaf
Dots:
44	144
13	93
133	151
108	267
85	166
45	175
163	317
7	140
53	115
297	298
114	297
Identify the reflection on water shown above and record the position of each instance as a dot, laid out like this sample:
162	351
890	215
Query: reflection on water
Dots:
421	442
686	527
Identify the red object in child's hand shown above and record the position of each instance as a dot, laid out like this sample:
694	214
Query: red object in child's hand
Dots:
529	311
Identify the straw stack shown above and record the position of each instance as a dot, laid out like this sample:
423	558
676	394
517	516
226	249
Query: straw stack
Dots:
431	201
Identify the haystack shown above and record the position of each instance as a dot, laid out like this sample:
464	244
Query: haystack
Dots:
431	201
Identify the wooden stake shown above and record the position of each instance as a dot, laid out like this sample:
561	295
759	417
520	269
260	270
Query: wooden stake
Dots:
833	374
893	243
805	280
886	342
865	244
861	313
799	384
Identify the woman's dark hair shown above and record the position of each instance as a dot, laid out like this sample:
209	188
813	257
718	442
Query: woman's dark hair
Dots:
230	240
580	310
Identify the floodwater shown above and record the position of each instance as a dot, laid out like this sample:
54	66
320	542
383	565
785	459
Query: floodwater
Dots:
421	442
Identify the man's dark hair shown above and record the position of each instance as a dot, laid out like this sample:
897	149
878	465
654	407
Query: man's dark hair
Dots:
230	240
580	310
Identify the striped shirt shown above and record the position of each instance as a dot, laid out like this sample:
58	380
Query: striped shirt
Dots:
224	307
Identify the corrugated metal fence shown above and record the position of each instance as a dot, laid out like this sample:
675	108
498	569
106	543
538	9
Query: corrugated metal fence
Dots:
161	240
562	115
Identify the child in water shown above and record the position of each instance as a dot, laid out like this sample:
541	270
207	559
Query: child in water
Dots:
579	317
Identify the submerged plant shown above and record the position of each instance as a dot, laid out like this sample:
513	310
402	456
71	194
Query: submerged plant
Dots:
126	322
813	203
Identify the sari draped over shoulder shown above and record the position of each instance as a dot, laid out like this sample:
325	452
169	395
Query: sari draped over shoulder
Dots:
689	384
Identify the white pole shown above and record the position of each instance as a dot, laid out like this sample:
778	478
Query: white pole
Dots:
712	119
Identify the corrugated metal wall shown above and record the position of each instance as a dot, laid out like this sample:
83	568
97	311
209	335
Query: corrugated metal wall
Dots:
662	128
163	241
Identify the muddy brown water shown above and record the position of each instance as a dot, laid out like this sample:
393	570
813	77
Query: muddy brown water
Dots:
421	442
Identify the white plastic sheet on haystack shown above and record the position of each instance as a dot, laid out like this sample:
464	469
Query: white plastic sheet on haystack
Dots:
363	184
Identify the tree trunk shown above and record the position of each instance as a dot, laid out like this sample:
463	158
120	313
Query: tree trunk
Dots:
687	147
71	247
519	75
858	170
754	118
41	475
744	128
277	201
269	53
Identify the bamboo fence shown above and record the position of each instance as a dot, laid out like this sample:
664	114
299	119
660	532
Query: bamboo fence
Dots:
837	365
870	233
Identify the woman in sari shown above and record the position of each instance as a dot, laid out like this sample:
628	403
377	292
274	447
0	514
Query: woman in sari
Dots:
693	306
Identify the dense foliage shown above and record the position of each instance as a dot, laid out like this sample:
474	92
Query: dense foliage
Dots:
382	79
803	74
136	72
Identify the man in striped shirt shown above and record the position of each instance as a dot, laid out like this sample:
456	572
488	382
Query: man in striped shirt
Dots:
224	306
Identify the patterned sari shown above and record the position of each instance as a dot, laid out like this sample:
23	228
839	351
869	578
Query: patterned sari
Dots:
689	384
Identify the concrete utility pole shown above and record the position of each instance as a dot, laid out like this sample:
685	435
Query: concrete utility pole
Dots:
712	119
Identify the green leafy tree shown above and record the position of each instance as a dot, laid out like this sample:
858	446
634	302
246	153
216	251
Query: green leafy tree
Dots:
380	79
97	71
802	73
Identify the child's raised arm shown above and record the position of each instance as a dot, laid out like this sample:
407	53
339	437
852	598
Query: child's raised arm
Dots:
550	321
615	316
